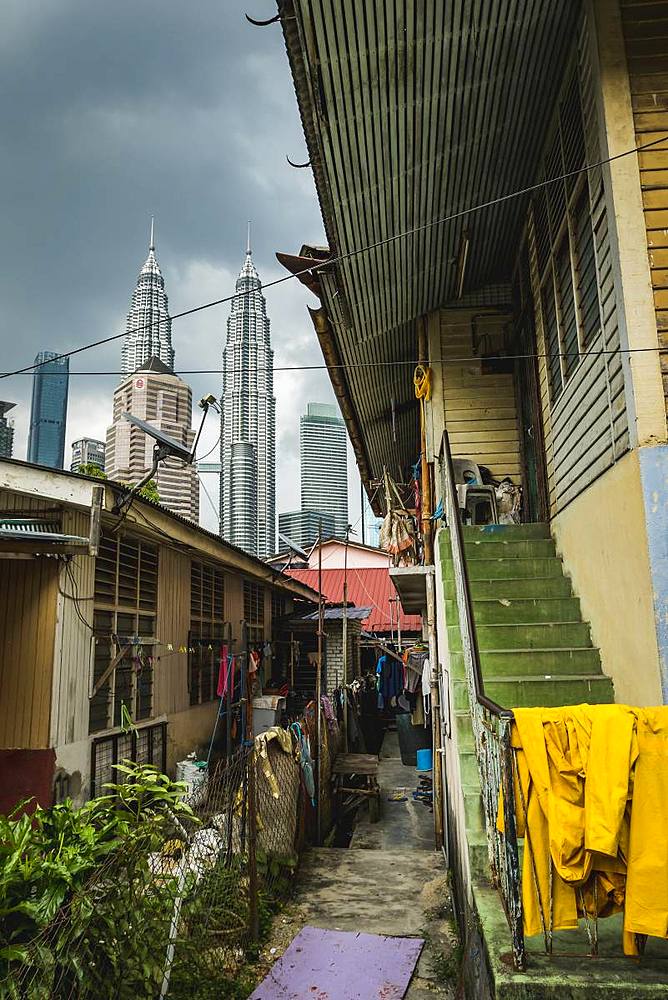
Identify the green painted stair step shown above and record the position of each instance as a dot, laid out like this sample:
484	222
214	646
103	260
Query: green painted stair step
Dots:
492	569
505	532
508	611
532	662
533	692
505	588
536	635
528	548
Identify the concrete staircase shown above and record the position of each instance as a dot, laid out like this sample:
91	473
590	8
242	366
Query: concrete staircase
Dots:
535	649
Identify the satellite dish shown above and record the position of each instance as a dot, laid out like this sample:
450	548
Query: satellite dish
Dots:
167	445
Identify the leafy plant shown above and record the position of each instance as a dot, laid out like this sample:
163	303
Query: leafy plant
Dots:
80	904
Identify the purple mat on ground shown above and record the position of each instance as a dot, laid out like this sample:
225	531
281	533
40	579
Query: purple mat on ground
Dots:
342	965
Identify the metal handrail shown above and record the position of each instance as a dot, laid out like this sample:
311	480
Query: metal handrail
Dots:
492	725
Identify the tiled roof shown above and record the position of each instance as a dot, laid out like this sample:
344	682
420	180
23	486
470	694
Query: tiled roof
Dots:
366	587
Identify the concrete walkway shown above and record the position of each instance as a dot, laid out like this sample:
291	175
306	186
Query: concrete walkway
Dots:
390	881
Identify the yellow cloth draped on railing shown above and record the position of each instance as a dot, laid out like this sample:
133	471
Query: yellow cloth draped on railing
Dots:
591	798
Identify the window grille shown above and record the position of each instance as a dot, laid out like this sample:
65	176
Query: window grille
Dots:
254	611
564	244
147	745
207	630
126	598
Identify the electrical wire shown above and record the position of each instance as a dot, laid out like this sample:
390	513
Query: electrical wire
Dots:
200	458
213	506
337	259
351	366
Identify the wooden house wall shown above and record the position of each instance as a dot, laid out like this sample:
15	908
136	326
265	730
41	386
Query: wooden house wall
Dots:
73	645
480	410
170	670
645	26
586	428
28	597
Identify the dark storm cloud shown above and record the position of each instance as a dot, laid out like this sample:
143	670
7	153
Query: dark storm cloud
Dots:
111	113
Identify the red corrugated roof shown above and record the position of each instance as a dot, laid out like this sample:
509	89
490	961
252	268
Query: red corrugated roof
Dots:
366	587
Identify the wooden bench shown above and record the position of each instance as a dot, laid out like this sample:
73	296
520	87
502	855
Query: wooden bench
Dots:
349	796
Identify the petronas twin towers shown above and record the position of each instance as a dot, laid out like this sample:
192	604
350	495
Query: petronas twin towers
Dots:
248	421
248	406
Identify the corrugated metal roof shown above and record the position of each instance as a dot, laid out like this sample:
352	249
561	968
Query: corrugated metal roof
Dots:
414	111
34	530
365	587
336	614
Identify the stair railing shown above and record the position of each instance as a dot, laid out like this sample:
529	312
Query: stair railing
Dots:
491	725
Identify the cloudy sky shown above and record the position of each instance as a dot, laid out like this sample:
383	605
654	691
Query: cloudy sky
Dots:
111	113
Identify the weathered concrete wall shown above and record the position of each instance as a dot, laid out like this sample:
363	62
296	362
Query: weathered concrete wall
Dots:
602	536
654	477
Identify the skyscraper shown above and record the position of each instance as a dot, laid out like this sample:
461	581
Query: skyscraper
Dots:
324	464
148	327
248	418
48	411
6	430
160	397
87	451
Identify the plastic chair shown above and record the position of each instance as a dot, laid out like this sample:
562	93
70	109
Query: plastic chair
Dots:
478	499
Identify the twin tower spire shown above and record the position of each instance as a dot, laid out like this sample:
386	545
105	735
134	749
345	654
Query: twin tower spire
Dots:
248	406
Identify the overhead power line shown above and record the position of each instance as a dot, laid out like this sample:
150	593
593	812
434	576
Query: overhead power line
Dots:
339	258
389	364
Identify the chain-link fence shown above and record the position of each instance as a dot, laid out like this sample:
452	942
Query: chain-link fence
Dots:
181	906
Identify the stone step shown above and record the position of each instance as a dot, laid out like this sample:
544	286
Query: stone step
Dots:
539	663
519	568
512	610
504	588
537	635
532	692
528	548
505	532
473	811
478	855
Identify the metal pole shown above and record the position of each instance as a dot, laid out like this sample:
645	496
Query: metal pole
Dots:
436	772
230	696
424	472
344	693
318	692
253	917
292	661
362	509
515	918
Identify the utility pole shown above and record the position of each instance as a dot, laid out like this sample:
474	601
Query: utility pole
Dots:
344	693
318	692
362	509
253	915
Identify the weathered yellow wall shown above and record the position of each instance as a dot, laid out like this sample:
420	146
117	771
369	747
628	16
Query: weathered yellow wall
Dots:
603	540
190	730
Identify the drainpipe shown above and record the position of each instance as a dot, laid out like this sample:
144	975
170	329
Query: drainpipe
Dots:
437	770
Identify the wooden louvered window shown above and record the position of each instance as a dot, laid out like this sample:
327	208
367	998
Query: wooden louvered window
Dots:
254	612
126	600
564	244
207	630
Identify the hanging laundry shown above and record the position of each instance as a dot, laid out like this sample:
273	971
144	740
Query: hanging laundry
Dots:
591	801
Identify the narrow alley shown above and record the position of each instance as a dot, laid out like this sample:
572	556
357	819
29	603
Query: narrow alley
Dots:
389	881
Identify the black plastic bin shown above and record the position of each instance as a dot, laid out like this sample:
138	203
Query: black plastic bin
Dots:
411	739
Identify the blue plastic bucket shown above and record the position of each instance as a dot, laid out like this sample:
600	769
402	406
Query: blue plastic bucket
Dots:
424	760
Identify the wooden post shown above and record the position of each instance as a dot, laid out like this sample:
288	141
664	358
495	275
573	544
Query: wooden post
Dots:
292	661
425	475
318	694
344	693
253	916
230	697
437	771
